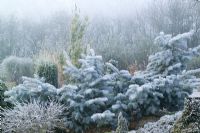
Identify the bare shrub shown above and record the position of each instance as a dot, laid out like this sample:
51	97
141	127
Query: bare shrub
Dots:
32	117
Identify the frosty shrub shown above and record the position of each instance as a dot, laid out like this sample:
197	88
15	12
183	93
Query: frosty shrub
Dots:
31	88
163	125
89	95
166	73
32	117
98	93
122	126
15	67
100	90
49	71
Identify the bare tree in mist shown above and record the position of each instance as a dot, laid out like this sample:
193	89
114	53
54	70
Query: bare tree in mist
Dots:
128	39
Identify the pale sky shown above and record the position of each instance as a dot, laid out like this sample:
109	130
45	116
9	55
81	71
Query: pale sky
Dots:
40	8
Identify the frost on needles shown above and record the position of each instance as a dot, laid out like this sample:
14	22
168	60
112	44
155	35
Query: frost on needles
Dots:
100	91
100	94
31	89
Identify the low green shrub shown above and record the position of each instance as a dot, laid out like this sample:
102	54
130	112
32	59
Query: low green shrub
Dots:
49	71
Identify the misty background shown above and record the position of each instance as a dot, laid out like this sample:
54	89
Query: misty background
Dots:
123	30
91	8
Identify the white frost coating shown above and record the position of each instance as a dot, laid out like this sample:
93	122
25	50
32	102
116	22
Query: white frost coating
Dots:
100	100
132	131
162	85
105	115
32	116
195	94
178	65
88	91
31	88
66	91
163	39
180	40
116	106
67	88
195	51
112	67
190	72
161	126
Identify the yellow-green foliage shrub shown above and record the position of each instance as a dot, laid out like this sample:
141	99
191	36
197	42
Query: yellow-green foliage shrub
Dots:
76	47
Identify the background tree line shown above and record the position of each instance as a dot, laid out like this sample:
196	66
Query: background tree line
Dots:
129	40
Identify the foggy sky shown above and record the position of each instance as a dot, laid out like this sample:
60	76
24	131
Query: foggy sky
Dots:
40	8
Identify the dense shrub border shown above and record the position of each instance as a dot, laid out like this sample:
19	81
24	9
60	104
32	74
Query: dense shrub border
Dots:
99	91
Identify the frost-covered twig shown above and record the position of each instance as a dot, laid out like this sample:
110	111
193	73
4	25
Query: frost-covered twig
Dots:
32	117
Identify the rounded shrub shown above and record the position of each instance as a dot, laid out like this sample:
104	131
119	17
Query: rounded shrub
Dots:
32	117
49	71
14	68
31	89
